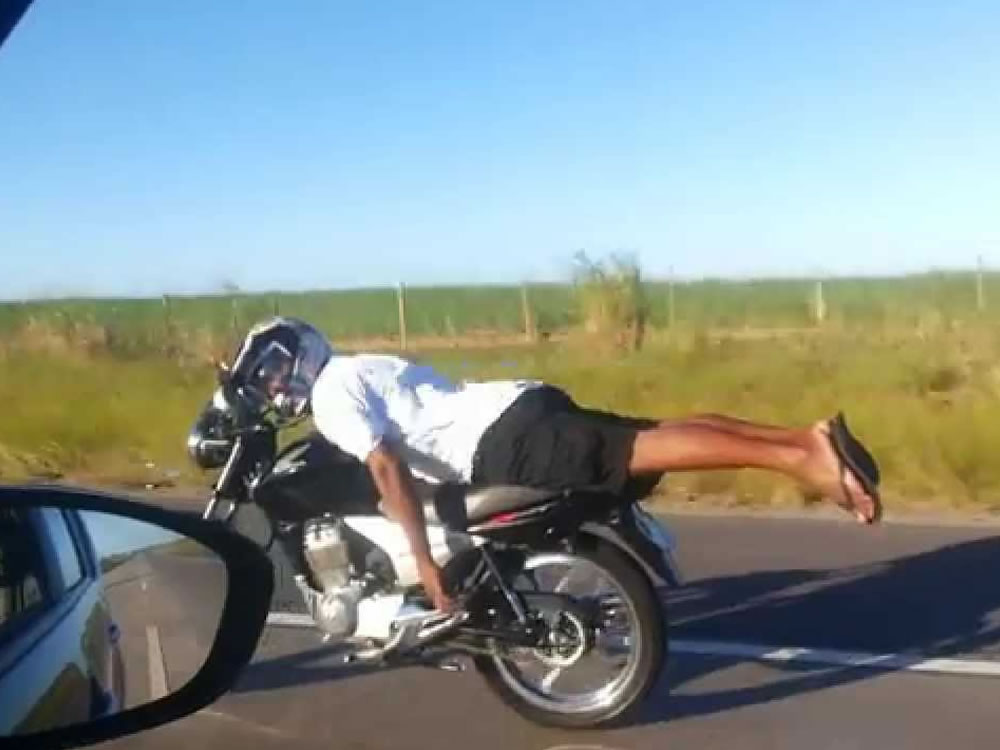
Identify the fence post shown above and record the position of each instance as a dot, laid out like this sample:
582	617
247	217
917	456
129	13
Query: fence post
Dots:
235	318
168	328
274	306
401	303
819	303
530	331
671	310
167	322
980	291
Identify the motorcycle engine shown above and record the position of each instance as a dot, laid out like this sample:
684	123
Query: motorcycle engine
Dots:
335	610
326	552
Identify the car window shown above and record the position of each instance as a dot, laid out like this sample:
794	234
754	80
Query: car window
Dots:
22	572
64	548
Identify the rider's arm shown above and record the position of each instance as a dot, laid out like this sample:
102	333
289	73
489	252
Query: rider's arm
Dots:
396	488
351	415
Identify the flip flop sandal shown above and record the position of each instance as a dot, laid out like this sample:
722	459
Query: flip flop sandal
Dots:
854	456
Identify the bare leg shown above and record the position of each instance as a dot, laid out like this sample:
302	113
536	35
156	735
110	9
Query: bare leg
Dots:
694	446
741	427
710	442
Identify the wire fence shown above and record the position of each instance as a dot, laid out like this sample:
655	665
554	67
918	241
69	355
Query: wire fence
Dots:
529	312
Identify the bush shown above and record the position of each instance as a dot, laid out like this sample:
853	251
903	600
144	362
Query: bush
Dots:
610	299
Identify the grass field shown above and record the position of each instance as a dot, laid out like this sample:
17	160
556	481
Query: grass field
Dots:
138	326
928	405
100	396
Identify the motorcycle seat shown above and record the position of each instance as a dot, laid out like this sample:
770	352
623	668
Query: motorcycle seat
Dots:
459	506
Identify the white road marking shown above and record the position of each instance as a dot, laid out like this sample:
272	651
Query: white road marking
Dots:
833	657
157	668
272	731
781	654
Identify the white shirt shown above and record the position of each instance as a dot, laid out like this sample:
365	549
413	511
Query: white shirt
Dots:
360	400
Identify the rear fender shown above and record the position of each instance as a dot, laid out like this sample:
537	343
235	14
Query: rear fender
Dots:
653	553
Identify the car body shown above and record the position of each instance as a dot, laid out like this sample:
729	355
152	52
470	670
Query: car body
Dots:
60	661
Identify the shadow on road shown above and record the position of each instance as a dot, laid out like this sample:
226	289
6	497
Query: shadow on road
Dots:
318	664
944	602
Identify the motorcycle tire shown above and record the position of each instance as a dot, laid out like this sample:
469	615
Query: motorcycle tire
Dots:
651	636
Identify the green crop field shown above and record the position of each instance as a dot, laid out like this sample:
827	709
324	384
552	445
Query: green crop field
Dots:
143	324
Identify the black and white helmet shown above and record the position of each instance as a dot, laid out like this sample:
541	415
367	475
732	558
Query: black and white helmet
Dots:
278	363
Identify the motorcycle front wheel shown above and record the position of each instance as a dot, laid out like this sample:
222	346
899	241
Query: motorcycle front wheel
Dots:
604	650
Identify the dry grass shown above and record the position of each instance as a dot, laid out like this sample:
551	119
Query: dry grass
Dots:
928	404
926	398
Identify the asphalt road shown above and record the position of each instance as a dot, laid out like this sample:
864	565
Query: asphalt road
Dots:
897	589
167	608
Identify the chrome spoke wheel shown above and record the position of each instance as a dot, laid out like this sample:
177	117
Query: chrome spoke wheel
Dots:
590	651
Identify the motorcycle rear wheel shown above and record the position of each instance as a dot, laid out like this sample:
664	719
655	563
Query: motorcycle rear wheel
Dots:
508	671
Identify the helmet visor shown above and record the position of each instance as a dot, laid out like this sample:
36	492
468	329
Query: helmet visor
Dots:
271	373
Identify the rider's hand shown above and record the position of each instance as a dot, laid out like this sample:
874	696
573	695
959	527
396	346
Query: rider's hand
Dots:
433	580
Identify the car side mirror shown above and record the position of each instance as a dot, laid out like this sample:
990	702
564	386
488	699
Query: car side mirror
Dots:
116	616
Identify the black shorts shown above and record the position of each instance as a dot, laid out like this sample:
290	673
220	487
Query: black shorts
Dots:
546	440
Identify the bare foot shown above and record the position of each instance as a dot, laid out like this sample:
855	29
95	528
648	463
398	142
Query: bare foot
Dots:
823	470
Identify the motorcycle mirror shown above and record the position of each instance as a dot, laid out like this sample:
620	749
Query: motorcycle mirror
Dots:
116	616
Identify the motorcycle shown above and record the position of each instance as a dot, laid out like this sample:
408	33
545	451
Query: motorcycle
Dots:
558	590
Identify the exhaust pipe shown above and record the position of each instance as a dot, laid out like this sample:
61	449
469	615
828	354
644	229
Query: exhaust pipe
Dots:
412	631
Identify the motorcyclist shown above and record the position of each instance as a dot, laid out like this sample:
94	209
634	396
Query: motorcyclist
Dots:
405	420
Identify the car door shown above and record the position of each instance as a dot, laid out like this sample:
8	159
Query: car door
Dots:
50	597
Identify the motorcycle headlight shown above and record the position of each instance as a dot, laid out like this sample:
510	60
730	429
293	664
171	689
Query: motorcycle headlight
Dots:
210	441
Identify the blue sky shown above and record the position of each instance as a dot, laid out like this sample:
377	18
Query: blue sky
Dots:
152	146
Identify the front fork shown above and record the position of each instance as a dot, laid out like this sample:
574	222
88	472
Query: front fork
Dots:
220	509
287	535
